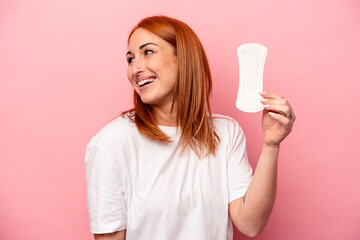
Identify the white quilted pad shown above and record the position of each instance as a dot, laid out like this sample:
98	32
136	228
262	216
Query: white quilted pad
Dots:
251	64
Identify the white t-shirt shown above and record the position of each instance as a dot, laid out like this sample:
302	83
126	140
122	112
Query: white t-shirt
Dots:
154	192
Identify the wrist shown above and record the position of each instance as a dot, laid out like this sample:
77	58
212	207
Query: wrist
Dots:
271	146
271	151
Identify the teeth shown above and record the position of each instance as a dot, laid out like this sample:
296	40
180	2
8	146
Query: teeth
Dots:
141	83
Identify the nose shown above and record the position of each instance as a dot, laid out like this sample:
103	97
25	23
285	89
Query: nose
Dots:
138	66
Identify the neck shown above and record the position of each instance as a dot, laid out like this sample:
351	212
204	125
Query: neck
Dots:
164	116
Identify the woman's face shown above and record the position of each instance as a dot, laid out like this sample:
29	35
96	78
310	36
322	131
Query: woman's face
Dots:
152	68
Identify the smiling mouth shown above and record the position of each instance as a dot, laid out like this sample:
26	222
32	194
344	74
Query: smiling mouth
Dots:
145	82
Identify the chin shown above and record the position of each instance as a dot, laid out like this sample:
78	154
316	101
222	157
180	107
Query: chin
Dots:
147	100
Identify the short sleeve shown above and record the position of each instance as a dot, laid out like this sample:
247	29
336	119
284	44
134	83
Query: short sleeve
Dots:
239	169
105	191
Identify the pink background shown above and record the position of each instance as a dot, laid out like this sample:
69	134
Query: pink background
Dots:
63	77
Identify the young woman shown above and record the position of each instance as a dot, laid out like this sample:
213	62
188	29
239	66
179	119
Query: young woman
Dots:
169	168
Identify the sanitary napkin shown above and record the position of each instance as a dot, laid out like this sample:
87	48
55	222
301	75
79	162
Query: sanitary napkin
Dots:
251	64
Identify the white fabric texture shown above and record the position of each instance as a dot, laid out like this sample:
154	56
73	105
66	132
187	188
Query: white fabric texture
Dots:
155	192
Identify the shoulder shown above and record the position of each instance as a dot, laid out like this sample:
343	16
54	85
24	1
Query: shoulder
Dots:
114	132
228	129
225	123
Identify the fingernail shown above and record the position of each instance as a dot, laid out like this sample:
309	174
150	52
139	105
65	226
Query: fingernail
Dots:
263	100
271	114
266	105
262	93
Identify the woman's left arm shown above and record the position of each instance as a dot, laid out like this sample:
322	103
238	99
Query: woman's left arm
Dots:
251	212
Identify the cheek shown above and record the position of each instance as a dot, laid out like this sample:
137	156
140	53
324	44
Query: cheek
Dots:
174	71
171	66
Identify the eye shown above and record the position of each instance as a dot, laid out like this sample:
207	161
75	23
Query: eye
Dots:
129	60
148	51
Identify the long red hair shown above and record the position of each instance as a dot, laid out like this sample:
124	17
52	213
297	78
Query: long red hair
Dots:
192	90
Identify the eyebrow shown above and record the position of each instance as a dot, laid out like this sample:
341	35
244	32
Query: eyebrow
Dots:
142	46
